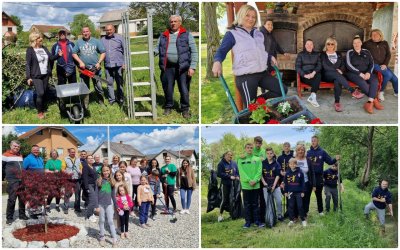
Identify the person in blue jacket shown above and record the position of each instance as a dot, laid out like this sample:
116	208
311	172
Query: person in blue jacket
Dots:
283	161
228	172
316	157
381	196
33	162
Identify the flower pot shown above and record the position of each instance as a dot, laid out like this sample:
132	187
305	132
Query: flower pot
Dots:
308	115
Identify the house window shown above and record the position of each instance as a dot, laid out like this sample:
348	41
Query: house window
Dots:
40	132
165	155
10	29
64	134
42	150
104	152
60	151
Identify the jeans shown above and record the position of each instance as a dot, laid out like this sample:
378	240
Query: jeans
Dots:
277	194
77	204
168	78
251	210
388	75
186	200
144	212
109	212
368	87
381	212
295	200
12	188
97	87
93	200
111	74
331	192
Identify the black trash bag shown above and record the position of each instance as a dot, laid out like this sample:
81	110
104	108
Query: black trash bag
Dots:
24	98
235	201
270	212
214	193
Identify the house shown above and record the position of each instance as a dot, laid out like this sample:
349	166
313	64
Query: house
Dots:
46	30
52	137
125	151
114	17
177	157
8	24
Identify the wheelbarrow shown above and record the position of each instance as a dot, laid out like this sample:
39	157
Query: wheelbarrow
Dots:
70	97
242	115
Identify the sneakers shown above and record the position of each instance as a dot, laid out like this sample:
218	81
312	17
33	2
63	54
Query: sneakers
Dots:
357	94
9	222
114	243
23	217
313	100
102	241
93	218
260	225
142	226
187	211
123	236
220	218
186	114
338	107
395	94
378	105
280	218
183	211
321	214
148	225
167	111
246	225
304	223
381	96
369	107
291	223
58	208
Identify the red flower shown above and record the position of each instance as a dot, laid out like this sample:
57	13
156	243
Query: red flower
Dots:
316	121
266	109
253	107
260	100
273	121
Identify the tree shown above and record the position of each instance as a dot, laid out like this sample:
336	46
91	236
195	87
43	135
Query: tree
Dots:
212	34
368	164
17	21
36	187
79	21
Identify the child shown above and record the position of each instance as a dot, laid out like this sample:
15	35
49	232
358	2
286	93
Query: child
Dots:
125	204
106	199
381	197
119	180
155	185
145	198
250	170
331	177
294	191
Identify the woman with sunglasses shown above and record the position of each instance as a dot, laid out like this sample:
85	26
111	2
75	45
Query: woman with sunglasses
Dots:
38	70
333	67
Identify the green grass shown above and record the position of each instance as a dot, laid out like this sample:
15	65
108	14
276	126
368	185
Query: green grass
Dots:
215	106
347	229
113	114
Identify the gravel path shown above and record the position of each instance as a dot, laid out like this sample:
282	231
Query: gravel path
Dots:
162	233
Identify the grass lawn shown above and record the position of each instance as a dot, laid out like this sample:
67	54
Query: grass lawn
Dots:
215	106
114	114
347	229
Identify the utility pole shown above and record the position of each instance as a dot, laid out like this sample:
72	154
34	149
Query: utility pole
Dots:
108	143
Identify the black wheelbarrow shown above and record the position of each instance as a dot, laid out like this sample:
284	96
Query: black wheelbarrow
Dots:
70	100
243	115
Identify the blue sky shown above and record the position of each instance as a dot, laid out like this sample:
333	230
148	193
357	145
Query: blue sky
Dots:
278	134
147	139
58	13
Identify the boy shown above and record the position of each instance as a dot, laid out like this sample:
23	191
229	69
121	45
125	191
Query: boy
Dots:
283	161
270	177
294	191
380	197
331	177
258	151
250	168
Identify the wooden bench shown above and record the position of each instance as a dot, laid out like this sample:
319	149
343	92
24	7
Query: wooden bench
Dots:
330	85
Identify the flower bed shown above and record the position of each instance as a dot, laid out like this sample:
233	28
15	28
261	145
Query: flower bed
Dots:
56	232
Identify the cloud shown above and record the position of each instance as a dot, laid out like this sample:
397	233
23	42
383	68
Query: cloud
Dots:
159	139
92	142
9	130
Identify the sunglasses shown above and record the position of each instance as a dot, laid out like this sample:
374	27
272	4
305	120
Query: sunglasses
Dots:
330	44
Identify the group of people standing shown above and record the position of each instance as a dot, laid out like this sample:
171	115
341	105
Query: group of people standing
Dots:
115	191
292	177
255	51
176	49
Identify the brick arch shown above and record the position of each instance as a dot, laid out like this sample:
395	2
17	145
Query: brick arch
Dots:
308	23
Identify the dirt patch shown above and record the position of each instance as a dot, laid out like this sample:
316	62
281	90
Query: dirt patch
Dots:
55	232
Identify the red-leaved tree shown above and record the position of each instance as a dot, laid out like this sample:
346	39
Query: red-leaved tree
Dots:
36	187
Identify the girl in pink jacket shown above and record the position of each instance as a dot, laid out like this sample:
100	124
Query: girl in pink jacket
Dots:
125	204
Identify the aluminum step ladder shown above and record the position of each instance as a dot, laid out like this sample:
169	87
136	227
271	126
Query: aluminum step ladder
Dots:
130	84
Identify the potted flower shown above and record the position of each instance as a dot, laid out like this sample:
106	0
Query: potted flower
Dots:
284	108
259	111
291	8
269	7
